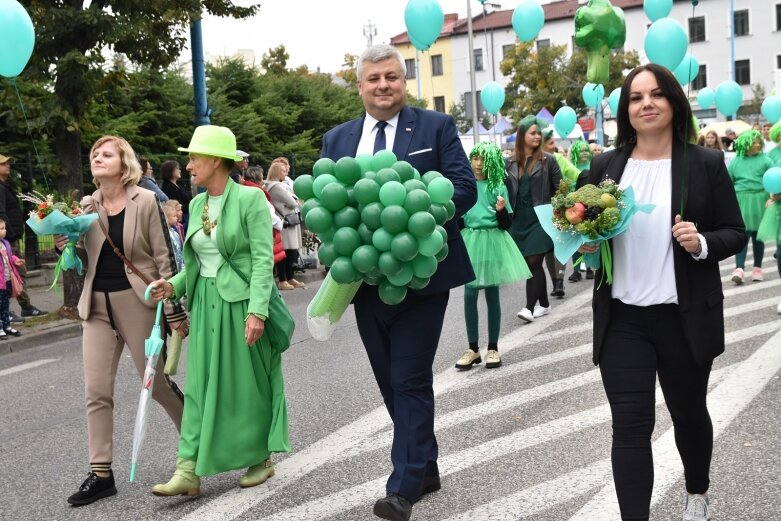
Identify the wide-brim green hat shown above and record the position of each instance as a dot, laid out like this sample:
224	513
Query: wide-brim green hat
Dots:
212	140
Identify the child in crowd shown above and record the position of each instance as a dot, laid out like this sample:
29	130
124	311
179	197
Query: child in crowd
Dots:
495	257
9	287
173	213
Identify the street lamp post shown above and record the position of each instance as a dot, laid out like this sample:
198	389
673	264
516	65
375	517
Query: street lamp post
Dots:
472	82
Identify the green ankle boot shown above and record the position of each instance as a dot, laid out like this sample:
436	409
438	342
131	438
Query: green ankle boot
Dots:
183	483
257	474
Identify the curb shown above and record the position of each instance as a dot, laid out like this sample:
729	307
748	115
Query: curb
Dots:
40	338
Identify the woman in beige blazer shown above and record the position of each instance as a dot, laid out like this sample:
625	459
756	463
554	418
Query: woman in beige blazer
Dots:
112	303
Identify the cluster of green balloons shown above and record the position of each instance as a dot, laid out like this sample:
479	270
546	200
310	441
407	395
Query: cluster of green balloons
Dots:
378	219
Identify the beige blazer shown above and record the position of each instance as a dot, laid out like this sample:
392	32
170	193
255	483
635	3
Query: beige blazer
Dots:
145	244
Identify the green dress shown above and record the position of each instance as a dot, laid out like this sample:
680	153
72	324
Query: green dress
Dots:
526	229
775	156
746	174
235	414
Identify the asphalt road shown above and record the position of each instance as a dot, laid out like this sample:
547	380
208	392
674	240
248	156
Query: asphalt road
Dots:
530	440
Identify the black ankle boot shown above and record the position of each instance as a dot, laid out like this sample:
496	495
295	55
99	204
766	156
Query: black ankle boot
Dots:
576	276
93	488
558	288
589	273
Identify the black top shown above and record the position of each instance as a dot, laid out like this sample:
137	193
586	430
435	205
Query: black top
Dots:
176	193
11	212
110	272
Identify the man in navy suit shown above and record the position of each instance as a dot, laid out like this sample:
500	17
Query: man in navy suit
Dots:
401	340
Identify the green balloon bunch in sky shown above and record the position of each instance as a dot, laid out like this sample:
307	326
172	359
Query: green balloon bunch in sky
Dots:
379	221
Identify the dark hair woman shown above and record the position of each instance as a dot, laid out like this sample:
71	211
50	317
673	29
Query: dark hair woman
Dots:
171	173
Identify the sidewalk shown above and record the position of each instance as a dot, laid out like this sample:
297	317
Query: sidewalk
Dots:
51	328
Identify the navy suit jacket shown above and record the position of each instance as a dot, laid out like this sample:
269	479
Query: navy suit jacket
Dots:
427	140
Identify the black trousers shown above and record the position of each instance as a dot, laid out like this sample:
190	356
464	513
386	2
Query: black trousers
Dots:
640	343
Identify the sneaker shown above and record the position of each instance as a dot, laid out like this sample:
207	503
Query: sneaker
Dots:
541	311
756	274
492	359
589	273
33	311
3	335
11	331
93	488
695	508
526	315
15	319
778	308
737	276
468	359
575	277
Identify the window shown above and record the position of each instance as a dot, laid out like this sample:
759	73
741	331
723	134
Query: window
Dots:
436	65
506	49
740	22
468	105
778	61
697	29
700	81
410	65
778	17
542	44
478	59
743	72
439	103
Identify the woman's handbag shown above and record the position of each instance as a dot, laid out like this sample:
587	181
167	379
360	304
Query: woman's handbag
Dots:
17	286
291	219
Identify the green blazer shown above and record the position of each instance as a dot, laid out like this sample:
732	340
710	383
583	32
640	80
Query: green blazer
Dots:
244	236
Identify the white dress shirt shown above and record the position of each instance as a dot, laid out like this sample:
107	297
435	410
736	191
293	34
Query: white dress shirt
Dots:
366	144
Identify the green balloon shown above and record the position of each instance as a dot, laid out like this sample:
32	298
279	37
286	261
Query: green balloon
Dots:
383	159
381	239
347	170
440	189
404	247
450	206
442	253
365	161
417	201
365	233
302	187
319	219
417	176
322	166
403	277
373	280
320	182
327	235
346	240
392	193
351	201
418	283
430	245
386	175
371	215
428	176
347	216
414	184
333	195
443	232
308	205
405	170
421	224
439	212
327	253
343	271
388	264
365	258
424	266
366	191
371	174
391	294
394	219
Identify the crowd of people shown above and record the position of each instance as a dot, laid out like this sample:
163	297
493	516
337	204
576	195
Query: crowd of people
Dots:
212	258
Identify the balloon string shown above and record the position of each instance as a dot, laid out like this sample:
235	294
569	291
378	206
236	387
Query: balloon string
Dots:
29	132
685	176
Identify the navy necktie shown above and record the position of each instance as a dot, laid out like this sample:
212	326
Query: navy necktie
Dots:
379	139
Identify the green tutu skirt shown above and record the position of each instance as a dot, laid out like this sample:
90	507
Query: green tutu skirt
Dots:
752	208
495	257
770	226
235	414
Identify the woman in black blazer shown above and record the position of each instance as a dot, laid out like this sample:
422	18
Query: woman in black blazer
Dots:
663	314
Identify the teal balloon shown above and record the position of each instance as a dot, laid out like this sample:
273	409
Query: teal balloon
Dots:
381	239
324	165
417	200
319	219
386	175
430	245
366	191
392	193
404	246
729	97
333	195
442	253
308	205
405	170
424	266
327	253
688	69
430	176
347	170
365	233
656	9
414	184
365	162
418	282
320	182
347	217
564	121
365	258
424	20
346	240
771	109
666	43
388	264
593	94
439	212
613	100
383	159
441	190
394	219
528	19
421	224
771	180
450	206
492	97
390	294
706	98
302	187
403	277
17	38
370	215
343	271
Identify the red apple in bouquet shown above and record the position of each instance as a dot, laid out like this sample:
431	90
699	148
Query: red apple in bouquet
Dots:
575	213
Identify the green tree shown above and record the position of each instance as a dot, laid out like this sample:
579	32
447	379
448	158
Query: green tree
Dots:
753	108
275	60
349	71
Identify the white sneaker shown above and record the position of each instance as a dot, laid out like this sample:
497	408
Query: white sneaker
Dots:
695	508
541	311
778	309
737	276
526	315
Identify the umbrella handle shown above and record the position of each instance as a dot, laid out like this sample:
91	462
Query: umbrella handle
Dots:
147	296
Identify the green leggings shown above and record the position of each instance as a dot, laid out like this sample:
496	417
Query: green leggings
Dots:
494	313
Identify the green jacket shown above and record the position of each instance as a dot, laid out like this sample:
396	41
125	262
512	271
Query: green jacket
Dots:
244	236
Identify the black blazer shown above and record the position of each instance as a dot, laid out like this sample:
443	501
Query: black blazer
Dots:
710	202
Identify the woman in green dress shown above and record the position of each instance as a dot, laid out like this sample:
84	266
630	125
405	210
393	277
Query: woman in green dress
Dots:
775	137
234	408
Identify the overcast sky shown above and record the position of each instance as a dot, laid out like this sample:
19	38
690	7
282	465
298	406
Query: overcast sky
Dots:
317	33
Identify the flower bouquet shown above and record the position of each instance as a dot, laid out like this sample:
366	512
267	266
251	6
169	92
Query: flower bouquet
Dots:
589	214
59	218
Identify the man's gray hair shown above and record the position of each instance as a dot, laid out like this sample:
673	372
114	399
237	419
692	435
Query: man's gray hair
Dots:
378	53
254	174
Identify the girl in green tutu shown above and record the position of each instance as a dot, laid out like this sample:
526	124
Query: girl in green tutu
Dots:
746	171
495	257
580	155
775	137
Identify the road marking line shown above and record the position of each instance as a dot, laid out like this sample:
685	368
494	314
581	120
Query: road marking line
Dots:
29	365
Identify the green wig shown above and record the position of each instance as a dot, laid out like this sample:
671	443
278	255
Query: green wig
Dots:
575	150
493	163
775	132
744	141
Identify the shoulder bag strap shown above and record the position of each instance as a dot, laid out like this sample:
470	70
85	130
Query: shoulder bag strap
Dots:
235	268
122	256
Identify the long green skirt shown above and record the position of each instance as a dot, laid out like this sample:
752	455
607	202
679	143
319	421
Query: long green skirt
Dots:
235	414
